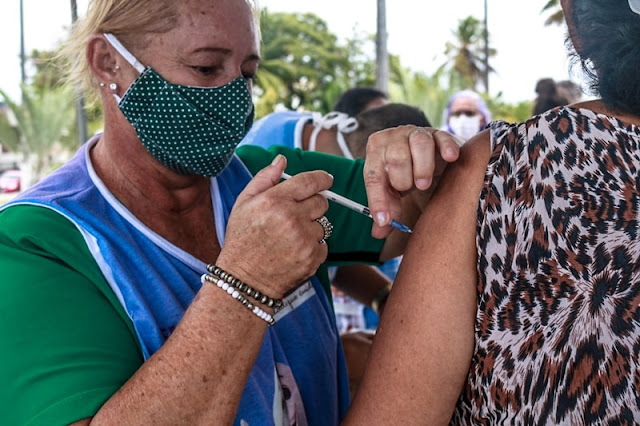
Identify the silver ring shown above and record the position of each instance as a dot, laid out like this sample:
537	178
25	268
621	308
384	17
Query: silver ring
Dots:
327	227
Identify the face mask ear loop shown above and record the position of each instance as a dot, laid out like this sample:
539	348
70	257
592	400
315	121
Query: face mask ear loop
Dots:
317	127
343	145
344	124
347	124
124	52
335	118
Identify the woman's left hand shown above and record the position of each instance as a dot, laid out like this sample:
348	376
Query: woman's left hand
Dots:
399	160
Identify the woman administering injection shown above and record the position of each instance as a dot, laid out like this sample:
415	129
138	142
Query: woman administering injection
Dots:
102	261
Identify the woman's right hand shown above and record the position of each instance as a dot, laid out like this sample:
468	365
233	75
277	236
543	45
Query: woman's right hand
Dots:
272	239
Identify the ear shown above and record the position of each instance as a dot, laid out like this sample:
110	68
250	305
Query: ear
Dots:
102	59
110	69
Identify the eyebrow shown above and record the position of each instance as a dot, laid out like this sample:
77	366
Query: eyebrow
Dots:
226	52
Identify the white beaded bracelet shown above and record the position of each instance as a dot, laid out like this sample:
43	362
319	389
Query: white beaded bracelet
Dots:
233	292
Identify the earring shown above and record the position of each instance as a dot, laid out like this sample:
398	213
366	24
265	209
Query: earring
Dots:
101	84
113	86
116	68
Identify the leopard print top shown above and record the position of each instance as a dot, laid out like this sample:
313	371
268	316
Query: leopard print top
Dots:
558	321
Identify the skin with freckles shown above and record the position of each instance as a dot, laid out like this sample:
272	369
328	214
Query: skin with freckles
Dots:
213	43
199	374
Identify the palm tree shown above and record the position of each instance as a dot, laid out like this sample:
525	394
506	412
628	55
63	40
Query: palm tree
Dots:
382	55
466	56
298	51
430	93
557	15
81	113
44	120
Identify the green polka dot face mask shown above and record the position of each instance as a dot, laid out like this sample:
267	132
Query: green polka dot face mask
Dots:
191	130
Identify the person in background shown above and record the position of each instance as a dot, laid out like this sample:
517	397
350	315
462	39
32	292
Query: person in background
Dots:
350	313
334	133
466	114
338	134
548	96
518	299
569	90
163	277
352	102
357	99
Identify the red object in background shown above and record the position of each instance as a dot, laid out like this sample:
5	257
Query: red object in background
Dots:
10	181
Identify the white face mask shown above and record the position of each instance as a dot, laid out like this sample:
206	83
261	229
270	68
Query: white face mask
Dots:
464	126
344	124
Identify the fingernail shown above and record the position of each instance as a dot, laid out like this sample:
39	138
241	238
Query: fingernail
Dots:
381	218
423	183
277	160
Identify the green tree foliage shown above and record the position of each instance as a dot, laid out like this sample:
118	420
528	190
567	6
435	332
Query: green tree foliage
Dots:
465	55
50	73
9	134
556	15
43	121
513	113
303	64
430	93
299	53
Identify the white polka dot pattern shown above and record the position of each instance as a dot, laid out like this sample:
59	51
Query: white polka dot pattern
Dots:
191	130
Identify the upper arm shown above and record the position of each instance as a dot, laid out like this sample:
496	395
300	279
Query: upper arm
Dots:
425	340
67	347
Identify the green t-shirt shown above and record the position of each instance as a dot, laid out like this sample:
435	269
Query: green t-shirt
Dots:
68	343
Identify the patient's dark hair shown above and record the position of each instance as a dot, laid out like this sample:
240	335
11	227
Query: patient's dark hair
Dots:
380	118
608	37
353	101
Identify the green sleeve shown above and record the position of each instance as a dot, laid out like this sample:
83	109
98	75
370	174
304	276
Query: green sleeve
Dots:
68	344
351	241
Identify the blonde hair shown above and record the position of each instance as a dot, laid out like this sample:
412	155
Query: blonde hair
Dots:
133	22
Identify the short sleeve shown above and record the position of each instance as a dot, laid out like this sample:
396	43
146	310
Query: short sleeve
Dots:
68	345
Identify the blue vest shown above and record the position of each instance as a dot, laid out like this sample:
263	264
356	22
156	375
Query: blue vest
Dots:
299	374
282	128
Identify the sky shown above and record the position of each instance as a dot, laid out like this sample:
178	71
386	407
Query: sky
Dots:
417	32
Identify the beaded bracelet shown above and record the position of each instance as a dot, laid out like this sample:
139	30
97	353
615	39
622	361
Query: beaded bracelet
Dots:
240	298
244	287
